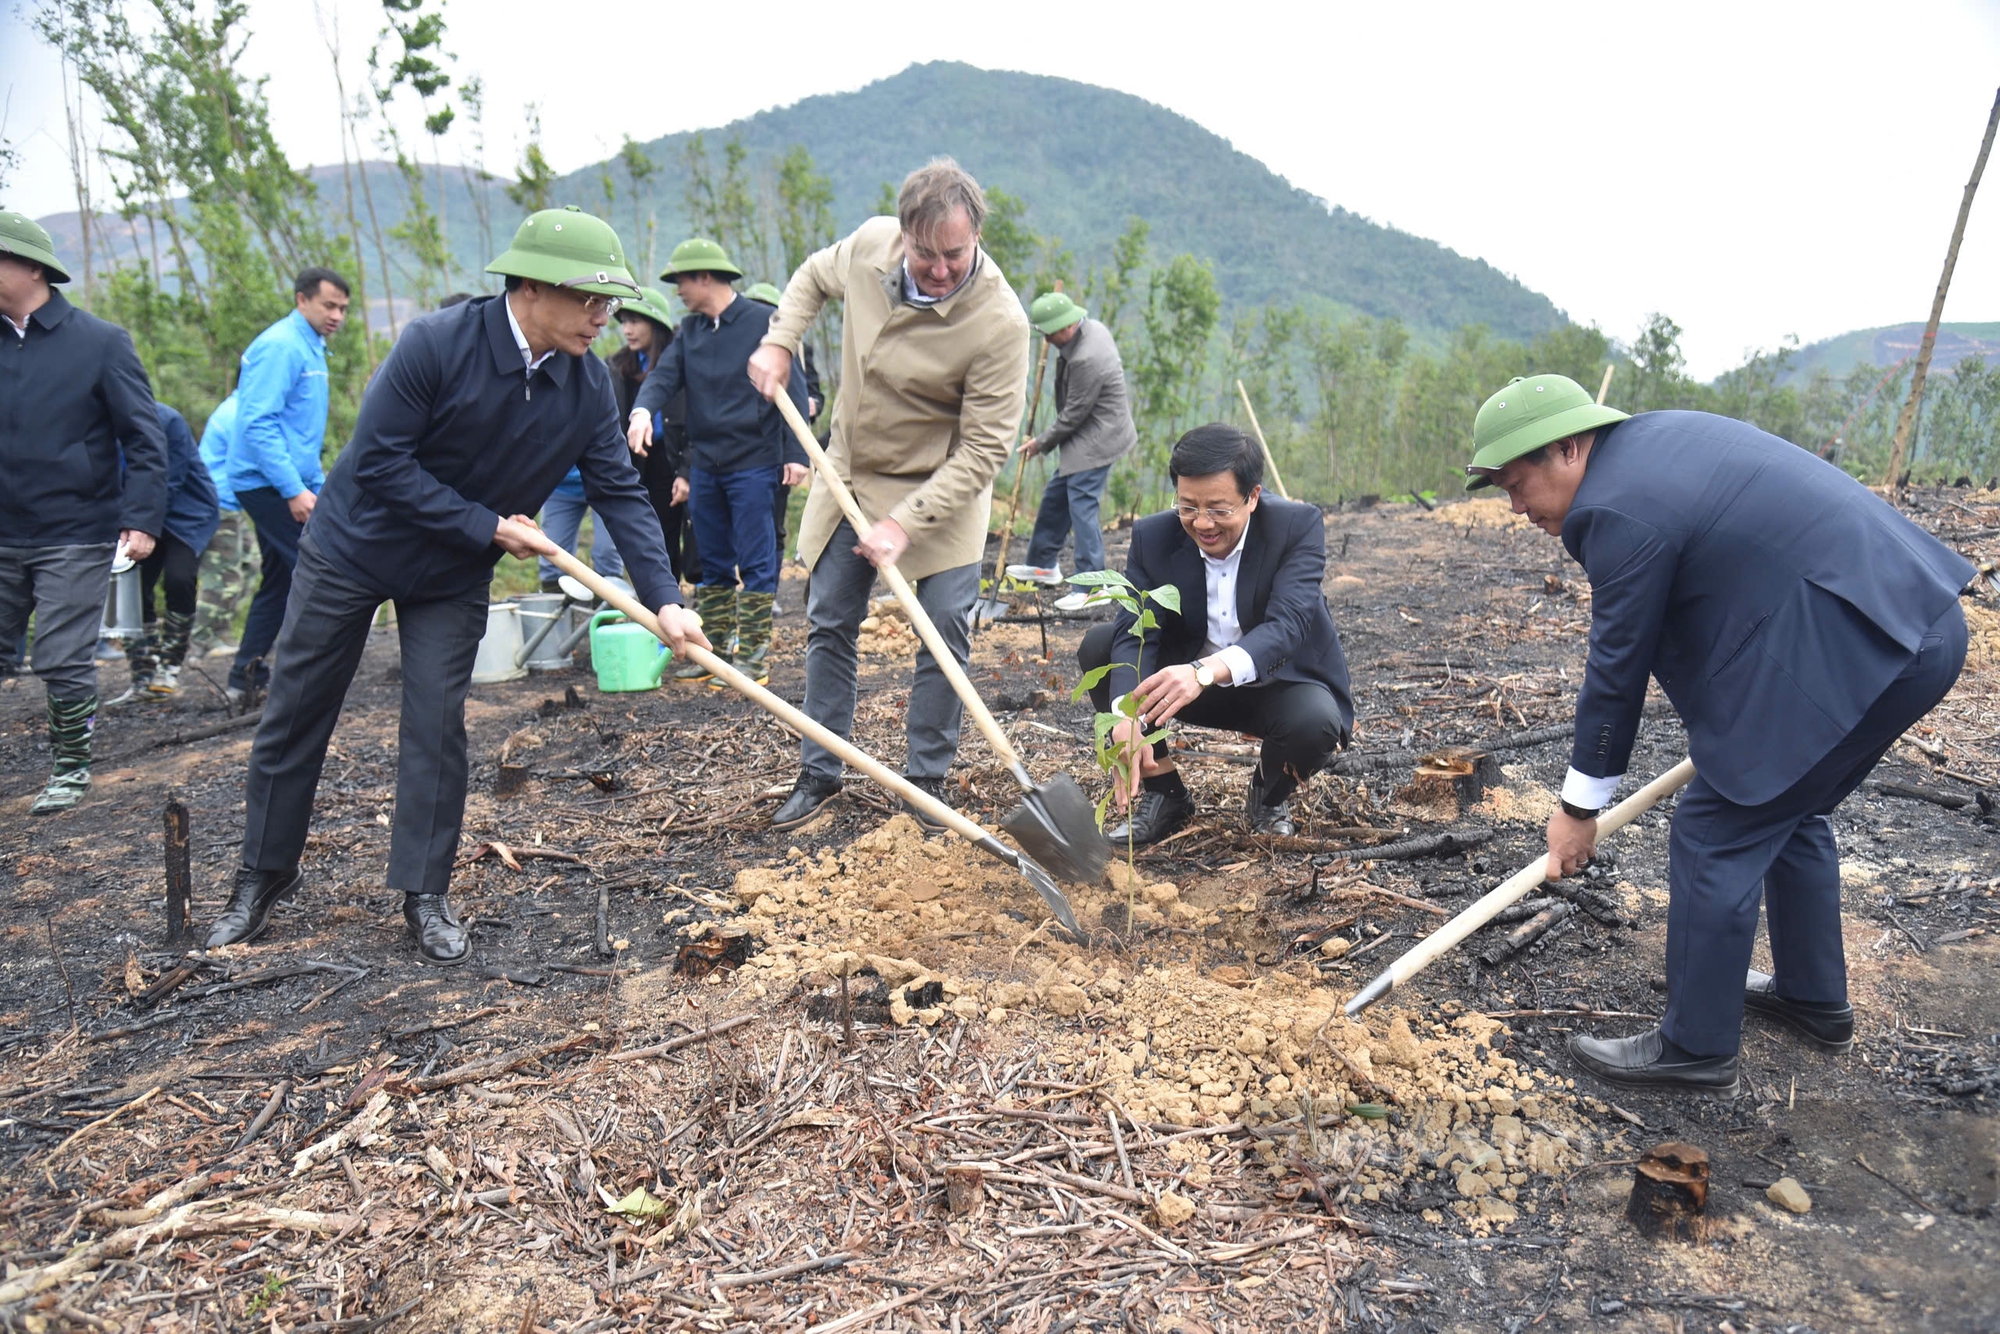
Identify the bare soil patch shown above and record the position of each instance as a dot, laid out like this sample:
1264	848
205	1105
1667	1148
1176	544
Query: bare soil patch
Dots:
646	1104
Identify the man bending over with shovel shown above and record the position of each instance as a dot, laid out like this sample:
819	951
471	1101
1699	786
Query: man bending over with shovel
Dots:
1797	623
479	411
934	363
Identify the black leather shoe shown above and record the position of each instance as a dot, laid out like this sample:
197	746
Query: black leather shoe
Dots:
934	786
440	939
248	914
1830	1027
1267	817
1153	817
809	793
1641	1062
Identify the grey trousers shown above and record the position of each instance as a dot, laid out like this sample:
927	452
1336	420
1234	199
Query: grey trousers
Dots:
319	648
65	588
836	604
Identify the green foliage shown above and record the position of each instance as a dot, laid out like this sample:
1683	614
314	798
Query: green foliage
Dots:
533	186
642	240
721	206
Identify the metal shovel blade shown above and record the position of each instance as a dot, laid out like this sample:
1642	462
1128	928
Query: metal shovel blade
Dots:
1045	885
987	610
1057	826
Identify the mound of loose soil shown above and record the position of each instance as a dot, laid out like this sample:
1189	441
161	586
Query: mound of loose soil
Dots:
1169	1041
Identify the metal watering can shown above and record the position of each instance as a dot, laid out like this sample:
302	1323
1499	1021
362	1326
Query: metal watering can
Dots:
625	656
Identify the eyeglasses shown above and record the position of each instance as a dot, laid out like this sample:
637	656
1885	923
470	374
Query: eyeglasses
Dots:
603	305
1215	513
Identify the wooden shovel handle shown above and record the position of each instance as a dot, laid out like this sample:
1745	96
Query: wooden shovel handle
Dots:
1514	888
946	660
849	752
1020	471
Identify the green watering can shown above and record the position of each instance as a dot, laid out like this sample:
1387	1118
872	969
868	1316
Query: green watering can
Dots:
625	656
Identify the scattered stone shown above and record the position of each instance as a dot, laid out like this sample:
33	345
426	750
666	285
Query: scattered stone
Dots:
1788	1194
1172	1209
1335	946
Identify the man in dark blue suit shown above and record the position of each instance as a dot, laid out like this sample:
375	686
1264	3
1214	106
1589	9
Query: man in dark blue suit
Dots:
1798	624
1252	648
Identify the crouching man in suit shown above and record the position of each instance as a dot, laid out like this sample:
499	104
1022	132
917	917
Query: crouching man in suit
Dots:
1797	623
1252	648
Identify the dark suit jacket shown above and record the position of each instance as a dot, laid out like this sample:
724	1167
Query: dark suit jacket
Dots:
1287	629
453	434
1773	596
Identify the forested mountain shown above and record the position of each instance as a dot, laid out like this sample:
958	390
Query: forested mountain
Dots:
1889	345
1085	160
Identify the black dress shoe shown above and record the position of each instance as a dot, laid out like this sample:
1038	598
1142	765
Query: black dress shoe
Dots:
935	787
1827	1025
809	793
1266	816
248	913
1642	1061
440	939
1153	817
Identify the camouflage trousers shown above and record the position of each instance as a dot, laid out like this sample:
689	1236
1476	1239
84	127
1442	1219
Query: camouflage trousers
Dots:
230	570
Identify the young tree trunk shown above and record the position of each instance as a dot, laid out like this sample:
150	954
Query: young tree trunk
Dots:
1907	420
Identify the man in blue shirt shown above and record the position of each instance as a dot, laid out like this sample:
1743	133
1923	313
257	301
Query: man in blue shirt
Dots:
274	456
740	451
468	426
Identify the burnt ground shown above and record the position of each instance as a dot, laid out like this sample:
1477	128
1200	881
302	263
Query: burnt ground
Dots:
314	1132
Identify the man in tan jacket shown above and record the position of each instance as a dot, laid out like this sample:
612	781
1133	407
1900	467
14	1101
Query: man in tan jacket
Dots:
934	360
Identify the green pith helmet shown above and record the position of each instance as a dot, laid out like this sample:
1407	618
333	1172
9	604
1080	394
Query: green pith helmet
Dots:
567	247
22	237
698	254
1053	312
767	293
652	303
1526	415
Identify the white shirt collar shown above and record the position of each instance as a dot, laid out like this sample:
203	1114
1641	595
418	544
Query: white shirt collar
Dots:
1234	552
528	357
21	329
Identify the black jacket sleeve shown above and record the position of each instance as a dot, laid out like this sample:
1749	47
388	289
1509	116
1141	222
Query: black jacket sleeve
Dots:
663	381
135	423
1631	565
394	421
1295	595
611	484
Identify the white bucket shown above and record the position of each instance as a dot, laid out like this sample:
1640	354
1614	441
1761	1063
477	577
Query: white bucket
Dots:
502	641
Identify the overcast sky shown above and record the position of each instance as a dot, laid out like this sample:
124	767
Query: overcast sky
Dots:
1751	169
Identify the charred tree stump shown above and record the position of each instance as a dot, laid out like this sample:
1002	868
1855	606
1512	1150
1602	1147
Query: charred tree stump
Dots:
178	887
1669	1192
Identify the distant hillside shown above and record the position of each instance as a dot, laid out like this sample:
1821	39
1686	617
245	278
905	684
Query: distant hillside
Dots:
1085	159
1886	346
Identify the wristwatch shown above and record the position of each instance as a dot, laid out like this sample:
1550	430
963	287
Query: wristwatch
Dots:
1204	675
1576	812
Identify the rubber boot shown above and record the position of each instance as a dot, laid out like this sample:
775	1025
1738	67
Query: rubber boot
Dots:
139	658
70	724
173	649
753	630
717	609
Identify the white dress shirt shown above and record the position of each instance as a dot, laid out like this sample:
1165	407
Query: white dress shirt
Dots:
528	357
1224	629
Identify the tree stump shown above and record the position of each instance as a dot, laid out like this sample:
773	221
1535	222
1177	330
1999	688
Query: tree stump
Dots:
1669	1192
964	1189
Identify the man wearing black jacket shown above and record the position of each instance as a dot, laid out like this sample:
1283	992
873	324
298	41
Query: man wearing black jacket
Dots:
72	392
477	414
1251	647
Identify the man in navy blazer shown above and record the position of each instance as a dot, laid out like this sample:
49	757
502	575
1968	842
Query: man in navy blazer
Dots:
1252	648
475	417
1798	624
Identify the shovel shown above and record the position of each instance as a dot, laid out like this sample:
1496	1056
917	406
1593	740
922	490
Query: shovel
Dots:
849	753
1512	889
990	609
1057	824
